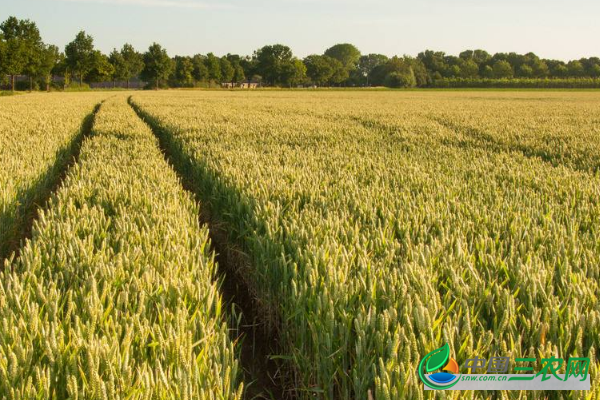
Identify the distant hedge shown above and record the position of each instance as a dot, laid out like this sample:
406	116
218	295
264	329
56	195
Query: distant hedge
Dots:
516	83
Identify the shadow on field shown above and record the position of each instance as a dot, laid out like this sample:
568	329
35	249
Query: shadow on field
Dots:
252	322
16	223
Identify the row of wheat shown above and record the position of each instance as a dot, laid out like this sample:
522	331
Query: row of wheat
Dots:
36	137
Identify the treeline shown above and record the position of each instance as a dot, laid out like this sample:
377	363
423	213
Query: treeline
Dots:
22	52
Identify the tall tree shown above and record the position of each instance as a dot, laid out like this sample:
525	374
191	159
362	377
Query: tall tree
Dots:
502	69
435	62
120	72
540	68
227	70
487	72
367	63
33	47
2	55
239	74
525	71
345	53
319	69
340	73
49	60
200	72
134	62
22	47
100	68
396	72
213	64
273	62
249	65
183	74
293	73
80	55
157	65
238	71
575	69
469	69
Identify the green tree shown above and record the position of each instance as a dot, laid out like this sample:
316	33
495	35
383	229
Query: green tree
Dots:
249	65
213	64
117	60
347	54
80	55
293	73
33	47
101	69
422	77
469	69
525	71
2	55
487	72
50	57
540	68
477	56
183	73
227	70
560	70
400	80
435	62
366	64
575	69
319	69
238	70
400	74
157	65
502	69
396	72
453	71
273	63
22	48
239	74
134	62
340	73
200	72
590	64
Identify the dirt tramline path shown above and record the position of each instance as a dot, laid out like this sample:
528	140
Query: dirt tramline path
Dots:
264	377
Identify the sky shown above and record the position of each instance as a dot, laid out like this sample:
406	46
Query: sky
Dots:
556	29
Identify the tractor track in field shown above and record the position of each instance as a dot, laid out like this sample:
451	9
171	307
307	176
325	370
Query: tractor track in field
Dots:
264	376
41	193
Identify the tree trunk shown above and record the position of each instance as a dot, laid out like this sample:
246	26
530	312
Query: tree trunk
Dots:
30	83
157	84
12	79
127	83
80	80
114	84
48	83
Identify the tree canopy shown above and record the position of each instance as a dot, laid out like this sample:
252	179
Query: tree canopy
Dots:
79	55
157	65
22	52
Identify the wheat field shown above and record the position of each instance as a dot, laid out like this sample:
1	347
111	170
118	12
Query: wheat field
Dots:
378	226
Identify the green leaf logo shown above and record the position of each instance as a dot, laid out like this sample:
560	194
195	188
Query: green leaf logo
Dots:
438	358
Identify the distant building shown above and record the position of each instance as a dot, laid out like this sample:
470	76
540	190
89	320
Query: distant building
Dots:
246	84
249	84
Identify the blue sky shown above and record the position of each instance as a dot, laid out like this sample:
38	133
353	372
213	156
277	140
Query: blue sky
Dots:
550	28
